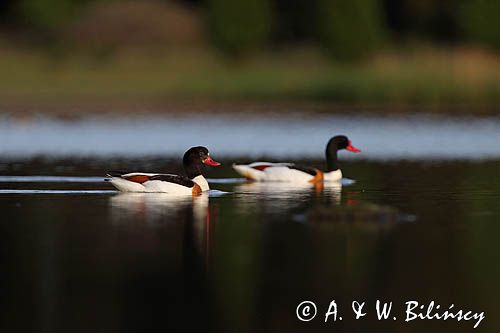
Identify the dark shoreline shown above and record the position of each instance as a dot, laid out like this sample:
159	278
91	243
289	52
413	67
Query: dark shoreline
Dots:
76	108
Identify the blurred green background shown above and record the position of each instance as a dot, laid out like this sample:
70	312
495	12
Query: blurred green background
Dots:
363	52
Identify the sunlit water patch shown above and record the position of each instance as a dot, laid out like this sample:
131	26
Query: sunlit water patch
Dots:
43	191
49	179
281	136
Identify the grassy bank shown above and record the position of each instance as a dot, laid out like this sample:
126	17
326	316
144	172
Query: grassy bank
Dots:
425	77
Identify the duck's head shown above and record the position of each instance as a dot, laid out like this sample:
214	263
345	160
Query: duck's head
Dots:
197	155
341	142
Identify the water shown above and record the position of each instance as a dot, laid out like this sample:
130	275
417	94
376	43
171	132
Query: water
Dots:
78	256
267	134
416	218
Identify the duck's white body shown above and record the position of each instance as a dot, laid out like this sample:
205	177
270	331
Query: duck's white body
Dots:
284	172
150	182
292	173
193	184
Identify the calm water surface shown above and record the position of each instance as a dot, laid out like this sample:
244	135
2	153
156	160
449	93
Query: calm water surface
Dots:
418	220
290	135
78	257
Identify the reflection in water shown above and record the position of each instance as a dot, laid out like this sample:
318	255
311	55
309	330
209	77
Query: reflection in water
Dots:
317	205
332	192
158	209
279	197
276	189
367	216
153	208
180	230
134	262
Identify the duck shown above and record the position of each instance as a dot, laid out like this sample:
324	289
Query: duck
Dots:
193	184
290	172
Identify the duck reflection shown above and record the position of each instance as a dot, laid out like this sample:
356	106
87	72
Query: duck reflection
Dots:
316	205
152	208
185	218
279	197
165	245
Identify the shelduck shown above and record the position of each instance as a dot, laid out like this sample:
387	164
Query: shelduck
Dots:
193	184
290	172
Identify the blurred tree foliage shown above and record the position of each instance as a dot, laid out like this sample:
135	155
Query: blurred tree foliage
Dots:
481	21
350	29
294	20
427	19
347	29
238	26
47	15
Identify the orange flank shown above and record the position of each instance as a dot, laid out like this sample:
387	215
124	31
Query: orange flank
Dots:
138	179
196	189
318	178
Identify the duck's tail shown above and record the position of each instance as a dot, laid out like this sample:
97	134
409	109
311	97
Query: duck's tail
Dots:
246	171
116	173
